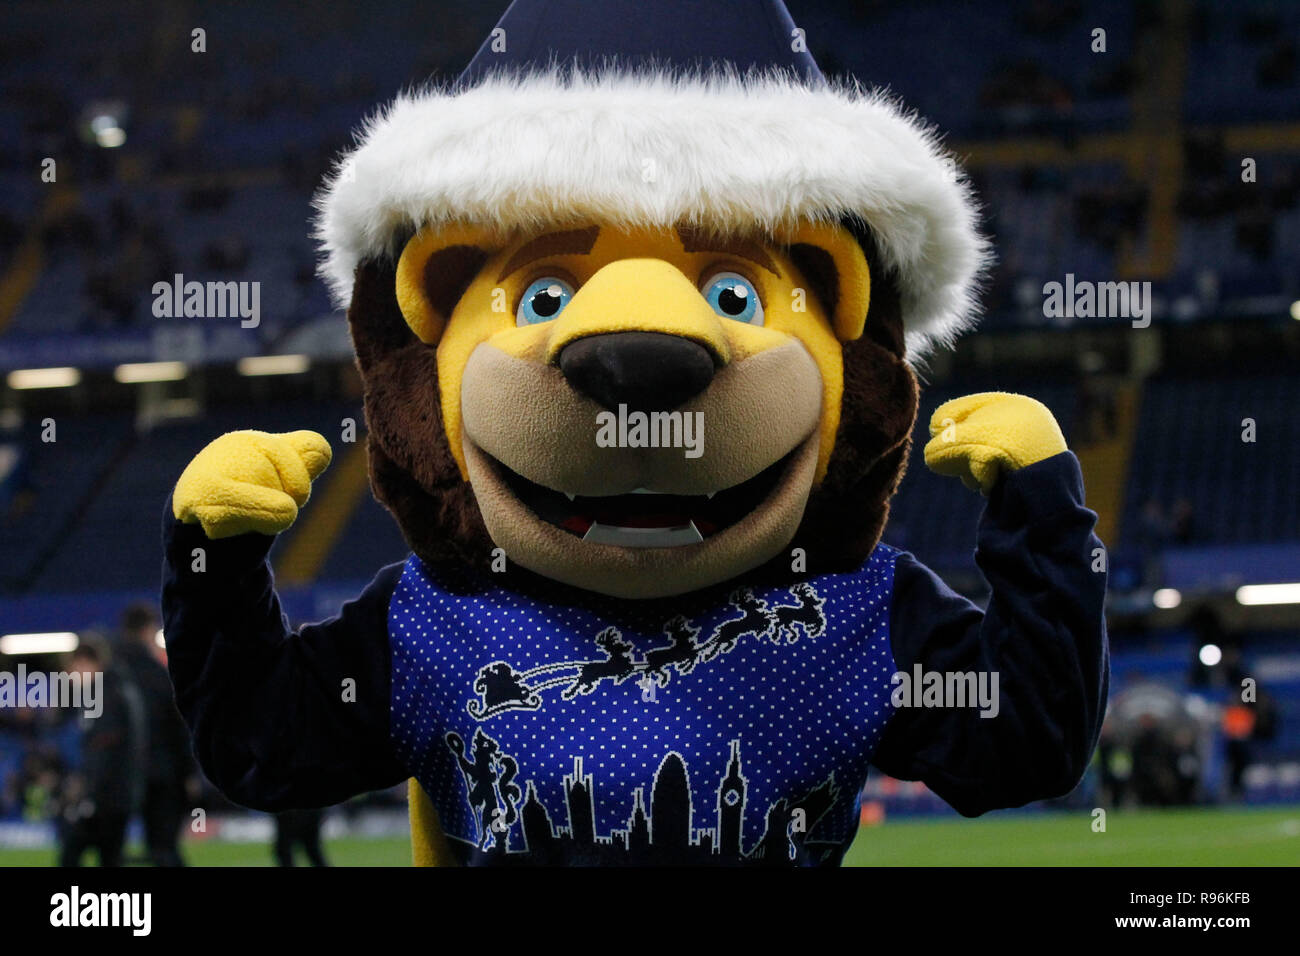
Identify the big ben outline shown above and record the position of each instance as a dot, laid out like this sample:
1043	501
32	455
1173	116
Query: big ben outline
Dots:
731	805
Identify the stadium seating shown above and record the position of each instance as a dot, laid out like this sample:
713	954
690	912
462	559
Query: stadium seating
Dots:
60	483
370	541
1232	45
1190	447
282	132
112	545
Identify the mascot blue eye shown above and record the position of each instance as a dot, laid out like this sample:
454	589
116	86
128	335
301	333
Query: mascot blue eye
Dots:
543	300
734	297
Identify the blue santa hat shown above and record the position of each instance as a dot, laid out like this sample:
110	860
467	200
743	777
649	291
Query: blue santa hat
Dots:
658	113
681	35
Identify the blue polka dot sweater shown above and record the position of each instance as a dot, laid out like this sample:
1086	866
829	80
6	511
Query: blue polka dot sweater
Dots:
733	725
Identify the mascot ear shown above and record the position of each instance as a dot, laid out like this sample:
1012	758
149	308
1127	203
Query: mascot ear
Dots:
832	260
435	268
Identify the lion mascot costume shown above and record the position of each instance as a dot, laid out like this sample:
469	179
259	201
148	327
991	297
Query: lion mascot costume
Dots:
637	303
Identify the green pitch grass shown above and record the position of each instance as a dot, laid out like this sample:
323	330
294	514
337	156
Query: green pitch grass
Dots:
1199	837
1192	837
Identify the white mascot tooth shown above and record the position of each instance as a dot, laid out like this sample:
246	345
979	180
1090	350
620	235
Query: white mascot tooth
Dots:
643	537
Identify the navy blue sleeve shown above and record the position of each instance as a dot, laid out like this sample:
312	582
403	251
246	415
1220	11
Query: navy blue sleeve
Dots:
1044	633
266	706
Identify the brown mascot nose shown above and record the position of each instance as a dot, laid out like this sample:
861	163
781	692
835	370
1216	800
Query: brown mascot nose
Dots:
646	371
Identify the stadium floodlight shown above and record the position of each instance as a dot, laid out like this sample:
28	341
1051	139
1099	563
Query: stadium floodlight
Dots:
63	377
1210	654
272	365
1295	310
110	137
1269	594
137	372
55	642
106	127
1167	598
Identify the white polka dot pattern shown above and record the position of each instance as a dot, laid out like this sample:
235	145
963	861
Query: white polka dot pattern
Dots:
782	721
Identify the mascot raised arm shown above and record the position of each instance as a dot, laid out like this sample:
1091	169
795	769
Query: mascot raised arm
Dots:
636	304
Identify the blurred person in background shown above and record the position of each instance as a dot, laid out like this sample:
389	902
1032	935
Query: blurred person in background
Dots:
169	772
294	828
18	741
100	795
31	771
1187	767
1246	720
34	790
1155	779
1115	764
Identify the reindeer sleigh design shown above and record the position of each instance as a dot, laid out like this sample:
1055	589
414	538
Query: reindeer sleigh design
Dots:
501	687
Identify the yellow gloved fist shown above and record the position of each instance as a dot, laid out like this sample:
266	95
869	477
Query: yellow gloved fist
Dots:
977	436
250	481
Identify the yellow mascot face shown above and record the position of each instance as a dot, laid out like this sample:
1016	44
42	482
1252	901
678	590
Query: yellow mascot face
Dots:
640	412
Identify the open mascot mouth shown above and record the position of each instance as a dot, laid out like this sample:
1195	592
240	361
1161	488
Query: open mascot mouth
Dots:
645	518
565	505
634	544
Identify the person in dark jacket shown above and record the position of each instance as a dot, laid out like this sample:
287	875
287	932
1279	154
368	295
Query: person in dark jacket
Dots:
100	796
169	764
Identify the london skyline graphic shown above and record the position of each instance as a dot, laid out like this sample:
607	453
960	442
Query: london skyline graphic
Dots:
515	825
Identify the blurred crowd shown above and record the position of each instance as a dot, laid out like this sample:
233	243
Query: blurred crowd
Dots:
1168	743
92	775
